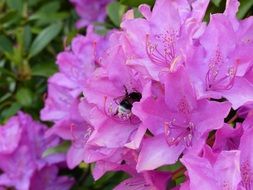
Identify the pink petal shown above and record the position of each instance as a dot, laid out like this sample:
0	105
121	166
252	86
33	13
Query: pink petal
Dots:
155	152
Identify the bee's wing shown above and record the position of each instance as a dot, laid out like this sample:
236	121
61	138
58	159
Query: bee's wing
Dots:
117	100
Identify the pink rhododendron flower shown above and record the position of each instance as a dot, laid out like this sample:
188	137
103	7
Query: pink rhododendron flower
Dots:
221	172
219	68
47	179
246	159
177	121
162	45
246	164
22	158
90	11
227	138
76	64
10	136
237	143
166	87
146	181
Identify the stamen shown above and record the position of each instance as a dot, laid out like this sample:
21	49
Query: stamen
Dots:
108	112
224	83
215	79
163	55
139	183
174	63
175	133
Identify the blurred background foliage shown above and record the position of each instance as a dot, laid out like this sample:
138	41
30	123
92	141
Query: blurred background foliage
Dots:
32	33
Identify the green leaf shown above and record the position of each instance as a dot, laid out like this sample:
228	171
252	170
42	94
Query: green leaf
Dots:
27	37
137	13
61	148
115	11
24	96
44	69
5	44
49	17
50	7
15	4
113	177
34	2
5	97
7	72
8	16
10	111
136	3
245	6
44	38
180	180
216	2
171	168
70	36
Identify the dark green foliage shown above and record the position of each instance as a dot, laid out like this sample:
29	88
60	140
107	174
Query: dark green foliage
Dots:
31	35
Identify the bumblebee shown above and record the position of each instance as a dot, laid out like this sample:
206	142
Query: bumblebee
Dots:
126	103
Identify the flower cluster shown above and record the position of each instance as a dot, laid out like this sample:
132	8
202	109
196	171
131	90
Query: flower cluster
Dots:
23	165
90	11
166	88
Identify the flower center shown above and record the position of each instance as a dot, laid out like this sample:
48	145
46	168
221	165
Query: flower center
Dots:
183	106
176	132
163	51
217	77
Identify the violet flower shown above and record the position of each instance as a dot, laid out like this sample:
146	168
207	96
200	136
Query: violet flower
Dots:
22	157
90	11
